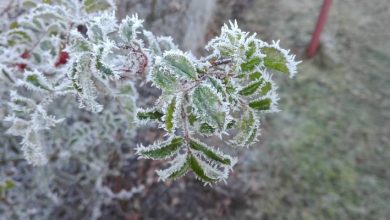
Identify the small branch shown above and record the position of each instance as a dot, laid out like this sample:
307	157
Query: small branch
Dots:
186	90
140	56
6	9
185	125
218	74
184	117
220	62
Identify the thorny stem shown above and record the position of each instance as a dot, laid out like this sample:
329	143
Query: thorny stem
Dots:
184	117
186	90
185	125
213	63
220	62
185	93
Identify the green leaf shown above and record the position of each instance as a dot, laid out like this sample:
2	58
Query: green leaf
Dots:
250	89
127	31
13	25
255	76
169	115
225	50
209	106
100	65
266	88
80	45
251	49
37	81
95	5
198	170
181	65
9	184
163	150
250	64
95	33
209	153
252	136
126	89
47	45
229	87
150	115
164	80
73	75
37	57
217	85
181	172
179	166
128	27
244	127
230	124
192	119
29	4
231	38
262	104
20	34
275	59
206	128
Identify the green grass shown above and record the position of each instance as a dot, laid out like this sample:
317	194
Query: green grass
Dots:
326	155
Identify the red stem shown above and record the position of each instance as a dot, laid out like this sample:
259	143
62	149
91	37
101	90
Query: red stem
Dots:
315	40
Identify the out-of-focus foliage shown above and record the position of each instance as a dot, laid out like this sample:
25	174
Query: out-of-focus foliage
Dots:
50	53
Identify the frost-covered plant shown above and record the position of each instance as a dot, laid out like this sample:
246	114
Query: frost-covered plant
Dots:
38	80
77	184
60	49
224	95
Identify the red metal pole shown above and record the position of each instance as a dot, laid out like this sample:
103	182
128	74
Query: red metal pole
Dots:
315	40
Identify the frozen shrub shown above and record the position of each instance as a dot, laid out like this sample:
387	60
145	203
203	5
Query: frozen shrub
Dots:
224	95
56	50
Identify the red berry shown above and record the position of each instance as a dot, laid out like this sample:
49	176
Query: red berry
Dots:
62	58
24	55
21	66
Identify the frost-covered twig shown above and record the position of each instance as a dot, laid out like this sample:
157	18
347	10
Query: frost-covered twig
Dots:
224	93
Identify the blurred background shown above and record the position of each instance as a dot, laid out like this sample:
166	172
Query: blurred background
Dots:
326	154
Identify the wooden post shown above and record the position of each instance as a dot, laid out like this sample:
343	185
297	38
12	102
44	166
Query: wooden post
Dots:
315	40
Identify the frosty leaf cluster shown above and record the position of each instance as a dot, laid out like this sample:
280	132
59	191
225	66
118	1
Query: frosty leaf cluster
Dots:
224	94
72	149
79	52
60	49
